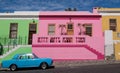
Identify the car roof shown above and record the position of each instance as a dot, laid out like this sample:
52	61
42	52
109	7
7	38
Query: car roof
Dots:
22	54
27	54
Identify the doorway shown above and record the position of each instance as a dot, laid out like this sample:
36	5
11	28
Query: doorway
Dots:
32	30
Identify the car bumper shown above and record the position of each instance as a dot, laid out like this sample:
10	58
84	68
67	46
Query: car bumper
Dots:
3	68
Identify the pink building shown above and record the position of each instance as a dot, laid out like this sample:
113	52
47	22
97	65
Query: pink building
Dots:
69	35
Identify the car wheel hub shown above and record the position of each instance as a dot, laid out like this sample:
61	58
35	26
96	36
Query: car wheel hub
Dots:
13	67
44	66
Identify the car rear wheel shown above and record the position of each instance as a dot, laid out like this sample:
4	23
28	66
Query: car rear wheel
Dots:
44	65
13	67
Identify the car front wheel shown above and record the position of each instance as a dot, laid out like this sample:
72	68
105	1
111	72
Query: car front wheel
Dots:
13	67
44	65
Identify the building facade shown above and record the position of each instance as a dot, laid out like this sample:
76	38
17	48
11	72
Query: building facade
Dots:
111	27
18	27
69	35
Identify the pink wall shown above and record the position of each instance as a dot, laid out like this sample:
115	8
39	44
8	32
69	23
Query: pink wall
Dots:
60	53
44	25
95	43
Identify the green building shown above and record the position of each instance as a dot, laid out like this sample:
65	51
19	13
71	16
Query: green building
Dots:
18	27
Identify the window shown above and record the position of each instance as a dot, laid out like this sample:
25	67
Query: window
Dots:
23	57
88	28
51	29
32	27
30	57
70	26
113	24
62	29
13	30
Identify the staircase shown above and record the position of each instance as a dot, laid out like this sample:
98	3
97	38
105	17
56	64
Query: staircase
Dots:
100	56
6	54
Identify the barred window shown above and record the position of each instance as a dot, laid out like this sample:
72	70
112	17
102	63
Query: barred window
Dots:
88	28
70	26
113	24
51	29
13	30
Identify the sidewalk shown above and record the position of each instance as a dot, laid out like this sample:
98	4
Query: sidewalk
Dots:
83	63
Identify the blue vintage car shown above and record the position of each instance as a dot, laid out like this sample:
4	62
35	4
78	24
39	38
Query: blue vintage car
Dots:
26	61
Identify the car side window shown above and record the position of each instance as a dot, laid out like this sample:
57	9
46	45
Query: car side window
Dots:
30	57
23	57
20	57
26	57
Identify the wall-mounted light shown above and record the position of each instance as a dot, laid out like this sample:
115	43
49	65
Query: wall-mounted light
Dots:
33	20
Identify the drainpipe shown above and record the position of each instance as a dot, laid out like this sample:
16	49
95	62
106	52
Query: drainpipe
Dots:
114	50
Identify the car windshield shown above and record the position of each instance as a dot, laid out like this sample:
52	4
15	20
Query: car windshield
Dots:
15	57
35	56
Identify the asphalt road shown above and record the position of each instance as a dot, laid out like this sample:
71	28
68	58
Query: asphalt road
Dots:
111	68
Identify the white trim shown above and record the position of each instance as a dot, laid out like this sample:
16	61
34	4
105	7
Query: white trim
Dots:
20	15
110	14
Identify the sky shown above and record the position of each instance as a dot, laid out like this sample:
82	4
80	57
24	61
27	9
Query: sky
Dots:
55	5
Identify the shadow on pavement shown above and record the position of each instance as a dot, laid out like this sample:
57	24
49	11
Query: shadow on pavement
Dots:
27	69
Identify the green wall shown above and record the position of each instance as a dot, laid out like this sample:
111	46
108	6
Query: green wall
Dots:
22	33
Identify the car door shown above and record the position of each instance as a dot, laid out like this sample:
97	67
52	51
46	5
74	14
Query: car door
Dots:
32	62
22	62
